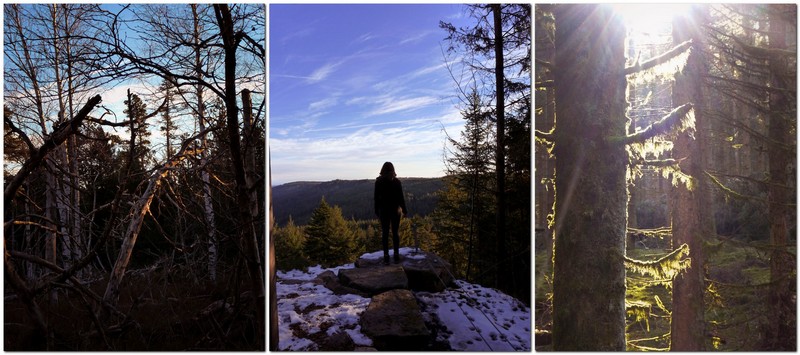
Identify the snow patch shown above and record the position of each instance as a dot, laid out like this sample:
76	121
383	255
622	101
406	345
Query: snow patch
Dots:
477	318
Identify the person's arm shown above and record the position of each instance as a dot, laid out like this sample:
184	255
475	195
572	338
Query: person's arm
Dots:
377	211
402	198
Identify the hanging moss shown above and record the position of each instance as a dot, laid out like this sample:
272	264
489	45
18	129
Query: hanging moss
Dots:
661	68
640	310
678	120
665	268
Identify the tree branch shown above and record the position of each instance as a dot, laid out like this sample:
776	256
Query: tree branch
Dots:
54	140
659	127
661	59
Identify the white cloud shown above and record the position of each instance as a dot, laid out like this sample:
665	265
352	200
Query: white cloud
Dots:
322	104
415	146
416	38
390	105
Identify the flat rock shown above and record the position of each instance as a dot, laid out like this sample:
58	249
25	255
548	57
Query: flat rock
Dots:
394	322
374	280
331	282
428	273
425	271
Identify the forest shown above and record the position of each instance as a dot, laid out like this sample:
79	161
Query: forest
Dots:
355	197
665	179
480	216
134	174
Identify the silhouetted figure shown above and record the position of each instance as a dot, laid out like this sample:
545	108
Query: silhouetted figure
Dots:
389	206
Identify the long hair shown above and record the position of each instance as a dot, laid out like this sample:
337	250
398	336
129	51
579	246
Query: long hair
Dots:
388	170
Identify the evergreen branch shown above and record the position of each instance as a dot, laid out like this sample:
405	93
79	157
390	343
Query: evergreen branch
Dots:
678	119
661	59
728	191
760	52
544	63
666	267
547	136
659	162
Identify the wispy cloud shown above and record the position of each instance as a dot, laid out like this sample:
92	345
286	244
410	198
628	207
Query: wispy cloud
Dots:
415	146
390	105
415	38
322	104
324	71
296	35
365	37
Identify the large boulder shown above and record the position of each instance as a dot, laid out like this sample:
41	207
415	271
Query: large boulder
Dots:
428	272
331	282
425	271
374	280
394	322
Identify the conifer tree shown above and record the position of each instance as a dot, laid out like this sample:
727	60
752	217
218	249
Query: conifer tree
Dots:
468	201
289	242
329	241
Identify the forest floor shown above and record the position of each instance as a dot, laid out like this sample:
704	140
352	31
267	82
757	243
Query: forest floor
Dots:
735	299
166	311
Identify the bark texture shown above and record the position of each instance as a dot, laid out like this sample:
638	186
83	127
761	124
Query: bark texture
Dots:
781	331
692	221
591	194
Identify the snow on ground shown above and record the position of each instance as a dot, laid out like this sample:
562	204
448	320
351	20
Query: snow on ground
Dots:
477	318
480	318
305	308
407	252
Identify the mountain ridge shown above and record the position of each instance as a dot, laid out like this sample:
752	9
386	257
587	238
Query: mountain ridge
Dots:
298	199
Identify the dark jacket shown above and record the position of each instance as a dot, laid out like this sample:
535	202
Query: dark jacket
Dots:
389	195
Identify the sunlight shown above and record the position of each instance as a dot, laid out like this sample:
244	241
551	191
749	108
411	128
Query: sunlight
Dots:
649	17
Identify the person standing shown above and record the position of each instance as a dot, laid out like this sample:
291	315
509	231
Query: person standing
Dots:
390	205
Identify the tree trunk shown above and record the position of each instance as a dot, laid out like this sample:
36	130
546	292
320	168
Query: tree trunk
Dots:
274	339
138	212
247	234
208	206
782	311
500	161
692	219
591	194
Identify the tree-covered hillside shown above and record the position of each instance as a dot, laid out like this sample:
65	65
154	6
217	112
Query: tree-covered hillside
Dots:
355	197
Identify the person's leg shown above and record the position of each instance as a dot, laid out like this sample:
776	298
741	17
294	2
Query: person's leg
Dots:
385	237
396	237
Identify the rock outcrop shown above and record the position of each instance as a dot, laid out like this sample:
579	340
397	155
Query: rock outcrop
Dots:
374	280
424	271
394	322
331	282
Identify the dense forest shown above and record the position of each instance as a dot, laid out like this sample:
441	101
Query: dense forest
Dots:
355	197
135	225
665	179
481	221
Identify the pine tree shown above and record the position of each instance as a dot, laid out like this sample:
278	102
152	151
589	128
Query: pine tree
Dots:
136	112
289	242
465	207
329	241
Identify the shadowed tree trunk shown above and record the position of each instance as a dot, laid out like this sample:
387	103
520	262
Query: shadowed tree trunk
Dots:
274	339
692	219
247	236
591	195
782	310
500	160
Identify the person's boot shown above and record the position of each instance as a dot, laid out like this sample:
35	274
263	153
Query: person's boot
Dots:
396	258
385	258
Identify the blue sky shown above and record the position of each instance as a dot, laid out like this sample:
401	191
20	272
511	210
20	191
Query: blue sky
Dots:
352	86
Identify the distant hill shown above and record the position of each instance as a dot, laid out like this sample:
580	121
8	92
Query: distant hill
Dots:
355	197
